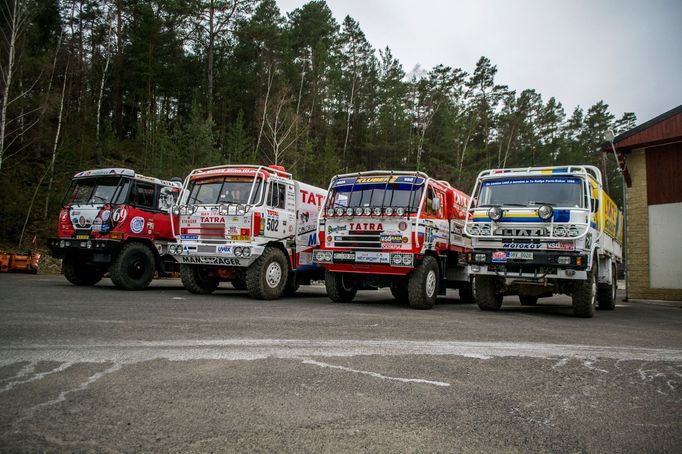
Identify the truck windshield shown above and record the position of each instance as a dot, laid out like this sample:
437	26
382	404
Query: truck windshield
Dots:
559	192
92	190
394	195
224	190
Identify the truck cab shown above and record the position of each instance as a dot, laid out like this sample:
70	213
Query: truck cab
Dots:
401	230
540	231
115	220
251	225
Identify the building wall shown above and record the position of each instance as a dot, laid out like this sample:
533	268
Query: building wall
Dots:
638	234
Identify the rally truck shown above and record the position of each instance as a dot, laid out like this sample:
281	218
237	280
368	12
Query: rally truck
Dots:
254	226
401	230
543	230
115	220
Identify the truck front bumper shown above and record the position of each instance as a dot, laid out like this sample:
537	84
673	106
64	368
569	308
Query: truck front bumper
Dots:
374	262
543	264
214	255
94	249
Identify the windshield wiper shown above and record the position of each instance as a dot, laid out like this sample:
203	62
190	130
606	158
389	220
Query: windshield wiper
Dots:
538	202
488	205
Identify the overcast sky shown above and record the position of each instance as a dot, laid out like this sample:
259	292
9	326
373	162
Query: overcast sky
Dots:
625	52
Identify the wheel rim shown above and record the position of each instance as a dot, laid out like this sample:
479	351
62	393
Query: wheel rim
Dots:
273	274
346	287
593	295
430	283
137	267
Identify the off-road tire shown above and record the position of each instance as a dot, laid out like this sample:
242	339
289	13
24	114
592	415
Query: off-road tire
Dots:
606	295
487	292
81	273
466	293
134	267
528	300
400	293
261	276
338	290
239	281
292	284
585	295
196	279
422	288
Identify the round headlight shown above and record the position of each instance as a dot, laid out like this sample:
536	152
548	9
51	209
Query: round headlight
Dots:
330	212
475	230
358	211
495	213
485	230
246	251
238	251
396	259
328	256
545	212
377	211
400	211
349	211
388	211
339	211
560	231
573	231
222	210
61	243
367	211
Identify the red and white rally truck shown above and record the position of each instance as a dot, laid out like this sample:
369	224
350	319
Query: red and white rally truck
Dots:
115	220
401	230
252	225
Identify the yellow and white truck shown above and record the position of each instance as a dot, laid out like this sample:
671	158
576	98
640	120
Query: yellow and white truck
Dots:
538	231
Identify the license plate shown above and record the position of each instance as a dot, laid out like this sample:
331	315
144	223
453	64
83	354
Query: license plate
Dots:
240	237
82	237
520	255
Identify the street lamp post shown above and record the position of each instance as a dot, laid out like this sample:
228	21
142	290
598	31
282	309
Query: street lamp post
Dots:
609	136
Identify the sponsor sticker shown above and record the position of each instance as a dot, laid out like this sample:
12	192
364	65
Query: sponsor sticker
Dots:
372	257
189	237
391	238
137	224
560	245
522	245
105	216
344	256
82	237
225	261
402	225
337	228
224	249
499	256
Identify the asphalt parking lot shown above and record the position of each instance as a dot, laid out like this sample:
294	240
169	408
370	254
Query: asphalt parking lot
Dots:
98	369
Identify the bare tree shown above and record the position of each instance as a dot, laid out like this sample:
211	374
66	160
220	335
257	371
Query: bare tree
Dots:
281	125
16	16
110	41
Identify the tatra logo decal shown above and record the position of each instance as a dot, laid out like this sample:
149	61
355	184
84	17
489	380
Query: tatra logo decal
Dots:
366	226
215	219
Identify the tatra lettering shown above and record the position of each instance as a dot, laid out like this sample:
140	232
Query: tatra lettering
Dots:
212	219
366	226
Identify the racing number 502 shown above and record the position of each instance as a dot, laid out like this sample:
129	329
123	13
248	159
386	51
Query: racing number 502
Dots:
272	224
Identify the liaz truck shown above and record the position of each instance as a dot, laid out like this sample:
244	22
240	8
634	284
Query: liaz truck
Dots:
115	220
254	226
401	230
543	230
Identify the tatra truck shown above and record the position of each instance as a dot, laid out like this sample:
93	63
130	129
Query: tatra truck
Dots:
401	230
254	226
543	230
117	221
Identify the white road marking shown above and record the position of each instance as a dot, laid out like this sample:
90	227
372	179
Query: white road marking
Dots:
376	375
39	376
252	349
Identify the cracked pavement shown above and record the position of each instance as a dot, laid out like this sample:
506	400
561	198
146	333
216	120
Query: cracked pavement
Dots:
102	370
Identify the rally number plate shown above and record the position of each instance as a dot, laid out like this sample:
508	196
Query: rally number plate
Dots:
520	255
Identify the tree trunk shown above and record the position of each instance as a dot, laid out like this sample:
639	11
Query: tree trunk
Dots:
15	24
211	44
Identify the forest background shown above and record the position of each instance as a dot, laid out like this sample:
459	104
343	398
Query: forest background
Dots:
166	86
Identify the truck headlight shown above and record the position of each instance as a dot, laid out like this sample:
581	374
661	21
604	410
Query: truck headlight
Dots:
573	231
485	230
367	211
339	211
475	230
246	252
222	210
330	212
358	211
61	243
241	210
479	257
563	260
495	213
175	210
349	211
400	211
396	259
388	211
560	230
377	211
238	251
545	212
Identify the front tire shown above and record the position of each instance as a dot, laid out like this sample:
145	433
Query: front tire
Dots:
80	273
466	293
488	295
197	279
606	295
422	288
339	289
134	267
585	295
399	292
267	276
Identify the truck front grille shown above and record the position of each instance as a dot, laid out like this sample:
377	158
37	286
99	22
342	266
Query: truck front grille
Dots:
364	240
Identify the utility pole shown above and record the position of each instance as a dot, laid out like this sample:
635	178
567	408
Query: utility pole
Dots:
609	136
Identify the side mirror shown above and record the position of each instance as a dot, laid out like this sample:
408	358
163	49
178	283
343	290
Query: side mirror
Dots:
595	205
435	204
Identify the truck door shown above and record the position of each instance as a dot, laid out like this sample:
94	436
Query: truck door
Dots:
280	211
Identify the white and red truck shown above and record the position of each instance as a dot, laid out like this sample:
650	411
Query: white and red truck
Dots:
538	231
254	226
394	229
115	220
